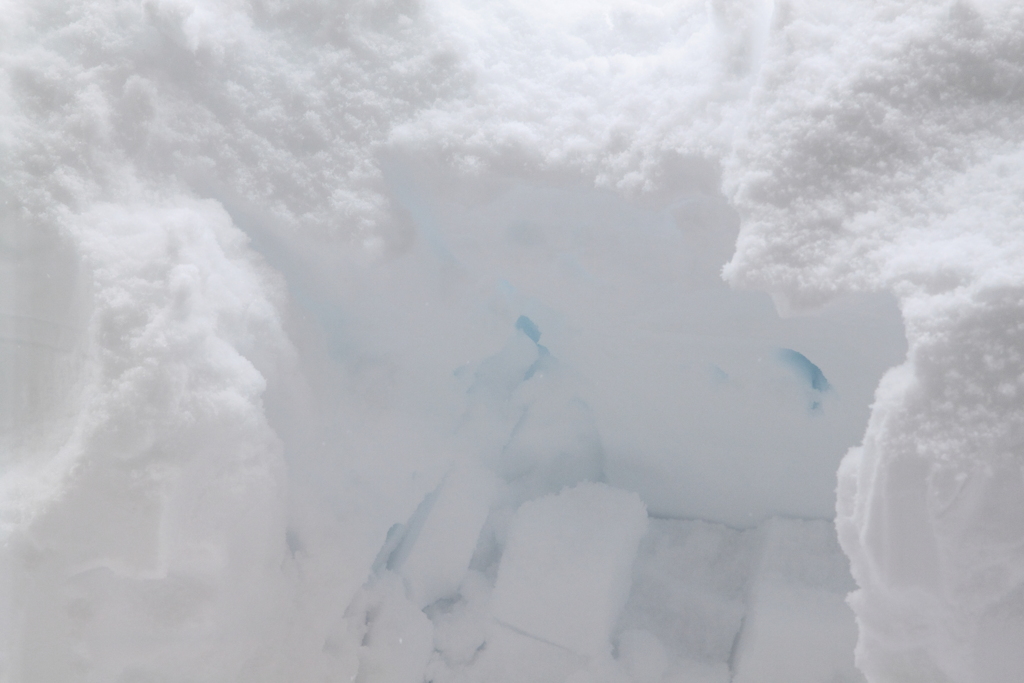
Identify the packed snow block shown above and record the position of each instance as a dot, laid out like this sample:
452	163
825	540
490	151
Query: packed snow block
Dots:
397	637
713	603
471	647
646	659
460	626
509	656
565	573
798	635
525	411
642	655
439	554
689	590
555	443
769	408
798	627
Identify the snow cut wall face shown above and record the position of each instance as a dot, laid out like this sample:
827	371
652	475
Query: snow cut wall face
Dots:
886	161
273	274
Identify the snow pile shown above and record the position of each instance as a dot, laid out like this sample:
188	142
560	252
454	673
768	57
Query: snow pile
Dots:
885	161
157	505
351	341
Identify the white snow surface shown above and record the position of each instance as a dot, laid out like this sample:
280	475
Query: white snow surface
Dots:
325	325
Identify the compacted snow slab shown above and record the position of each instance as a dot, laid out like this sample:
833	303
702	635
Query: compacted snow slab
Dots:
717	604
434	558
798	627
565	573
707	603
396	636
689	589
512	657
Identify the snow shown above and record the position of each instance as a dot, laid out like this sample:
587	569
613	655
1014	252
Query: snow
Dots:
441	551
363	341
798	626
689	590
718	604
565	571
397	638
920	117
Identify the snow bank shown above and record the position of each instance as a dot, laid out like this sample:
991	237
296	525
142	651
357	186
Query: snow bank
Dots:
137	530
884	161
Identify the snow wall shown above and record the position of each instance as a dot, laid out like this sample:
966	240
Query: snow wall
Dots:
388	341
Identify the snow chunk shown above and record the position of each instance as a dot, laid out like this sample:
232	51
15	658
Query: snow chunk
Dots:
512	657
398	637
441	551
565	574
798	627
689	589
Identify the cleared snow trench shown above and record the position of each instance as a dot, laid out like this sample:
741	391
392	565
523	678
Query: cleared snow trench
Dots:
390	341
628	382
505	403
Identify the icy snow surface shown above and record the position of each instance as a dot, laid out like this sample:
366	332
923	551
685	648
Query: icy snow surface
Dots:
444	340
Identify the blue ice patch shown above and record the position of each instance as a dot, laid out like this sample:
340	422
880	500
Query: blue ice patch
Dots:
529	328
718	375
808	370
